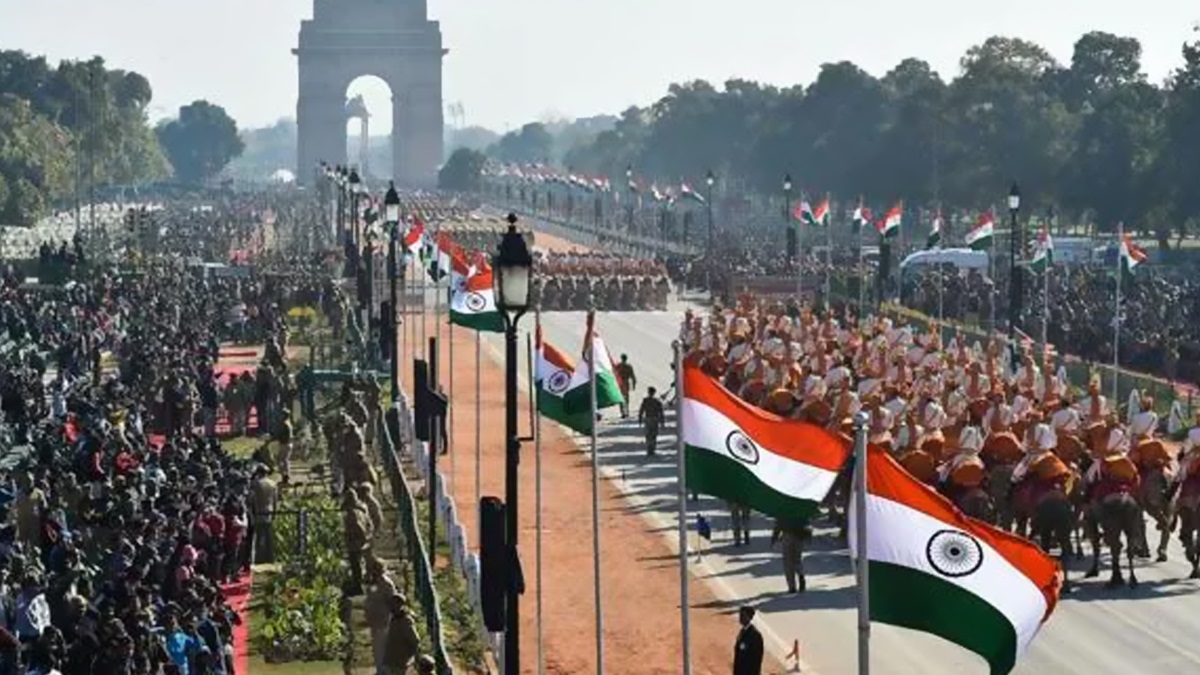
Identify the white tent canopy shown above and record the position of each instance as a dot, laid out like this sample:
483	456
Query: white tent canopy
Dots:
959	257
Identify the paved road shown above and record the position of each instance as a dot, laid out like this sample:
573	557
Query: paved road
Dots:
1148	631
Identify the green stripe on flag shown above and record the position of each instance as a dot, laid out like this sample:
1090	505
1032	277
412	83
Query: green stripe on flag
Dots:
715	474
902	596
552	408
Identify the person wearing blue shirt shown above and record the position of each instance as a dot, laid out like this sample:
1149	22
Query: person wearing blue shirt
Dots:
179	644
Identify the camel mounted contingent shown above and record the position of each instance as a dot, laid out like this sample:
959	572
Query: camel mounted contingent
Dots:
1002	435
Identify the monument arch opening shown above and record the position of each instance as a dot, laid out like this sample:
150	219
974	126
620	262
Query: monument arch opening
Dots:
392	40
370	118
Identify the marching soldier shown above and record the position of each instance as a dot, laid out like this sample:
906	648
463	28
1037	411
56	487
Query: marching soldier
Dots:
650	416
627	381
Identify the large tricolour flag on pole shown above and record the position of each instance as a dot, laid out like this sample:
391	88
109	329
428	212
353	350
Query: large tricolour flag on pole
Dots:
413	240
776	466
980	237
933	569
577	398
935	230
890	225
1043	255
474	306
1131	255
553	374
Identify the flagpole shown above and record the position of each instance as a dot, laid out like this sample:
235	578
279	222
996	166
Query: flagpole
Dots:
1117	316
828	255
992	276
862	286
1046	251
537	501
681	461
941	276
861	566
450	406
591	363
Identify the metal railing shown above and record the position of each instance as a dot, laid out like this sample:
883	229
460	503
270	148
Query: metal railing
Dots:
417	550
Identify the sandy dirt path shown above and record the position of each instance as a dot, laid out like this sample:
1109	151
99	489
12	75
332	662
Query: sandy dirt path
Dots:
640	575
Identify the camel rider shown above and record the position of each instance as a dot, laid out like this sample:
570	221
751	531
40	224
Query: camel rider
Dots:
934	420
1143	424
998	418
1114	473
1066	419
1189	457
1043	445
965	471
1041	470
1094	406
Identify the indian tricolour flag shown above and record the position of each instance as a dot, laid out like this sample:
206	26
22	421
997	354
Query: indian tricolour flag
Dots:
1043	255
553	374
1132	255
935	570
890	225
686	192
804	212
935	230
820	215
861	216
474	305
577	398
980	237
776	466
413	239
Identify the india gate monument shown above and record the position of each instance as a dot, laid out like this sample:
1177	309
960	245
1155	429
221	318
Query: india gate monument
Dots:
393	40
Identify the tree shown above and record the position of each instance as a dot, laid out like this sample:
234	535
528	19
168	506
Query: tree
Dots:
461	172
201	142
531	144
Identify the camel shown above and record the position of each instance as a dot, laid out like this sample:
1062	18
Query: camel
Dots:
1115	516
1154	494
1188	508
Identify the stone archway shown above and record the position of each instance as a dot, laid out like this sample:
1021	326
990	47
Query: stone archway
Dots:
393	40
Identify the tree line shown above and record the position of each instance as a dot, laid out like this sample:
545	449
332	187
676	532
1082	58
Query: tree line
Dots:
65	127
1093	140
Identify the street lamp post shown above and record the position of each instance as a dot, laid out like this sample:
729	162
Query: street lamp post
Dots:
513	266
1015	280
787	222
391	214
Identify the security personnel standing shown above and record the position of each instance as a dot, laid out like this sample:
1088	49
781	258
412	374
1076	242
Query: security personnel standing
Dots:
739	522
748	650
792	535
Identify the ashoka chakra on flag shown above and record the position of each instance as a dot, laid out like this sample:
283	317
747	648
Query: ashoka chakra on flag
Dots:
475	302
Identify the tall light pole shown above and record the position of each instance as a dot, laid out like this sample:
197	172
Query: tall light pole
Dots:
789	232
390	324
513	267
1015	280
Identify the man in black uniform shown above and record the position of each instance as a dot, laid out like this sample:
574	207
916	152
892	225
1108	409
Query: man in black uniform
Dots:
748	651
650	417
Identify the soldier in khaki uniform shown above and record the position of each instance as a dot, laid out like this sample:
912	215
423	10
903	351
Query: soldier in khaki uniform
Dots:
333	428
792	536
377	611
356	525
402	639
739	522
264	497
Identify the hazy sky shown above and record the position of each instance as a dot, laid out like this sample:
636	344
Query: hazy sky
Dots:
512	61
